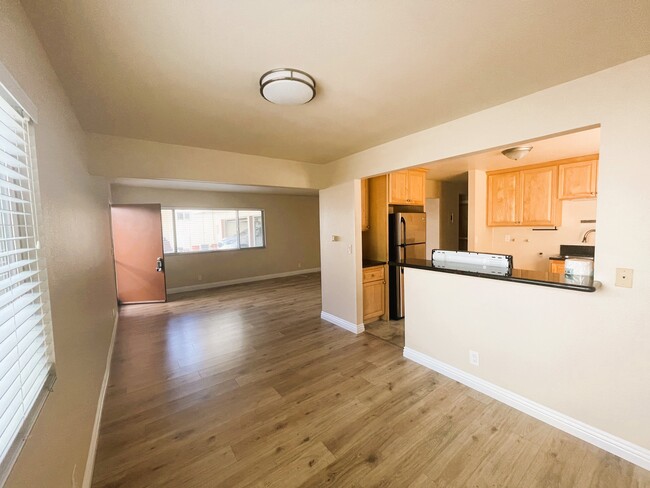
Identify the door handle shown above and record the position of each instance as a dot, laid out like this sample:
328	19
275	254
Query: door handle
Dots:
160	265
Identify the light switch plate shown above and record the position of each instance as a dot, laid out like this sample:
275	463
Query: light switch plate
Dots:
624	277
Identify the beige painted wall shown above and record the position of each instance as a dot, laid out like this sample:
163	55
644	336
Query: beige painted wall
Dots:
340	244
597	345
76	245
120	157
432	188
478	236
291	234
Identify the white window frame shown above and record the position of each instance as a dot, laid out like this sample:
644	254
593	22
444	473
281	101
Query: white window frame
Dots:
182	209
15	99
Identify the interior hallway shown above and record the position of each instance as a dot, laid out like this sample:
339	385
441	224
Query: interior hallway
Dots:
246	384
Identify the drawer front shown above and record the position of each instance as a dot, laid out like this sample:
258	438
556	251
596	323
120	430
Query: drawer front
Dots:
373	274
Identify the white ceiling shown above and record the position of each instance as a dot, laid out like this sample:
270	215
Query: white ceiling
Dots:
186	72
564	146
209	186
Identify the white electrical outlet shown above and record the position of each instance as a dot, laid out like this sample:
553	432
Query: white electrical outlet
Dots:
473	358
624	277
199	277
508	237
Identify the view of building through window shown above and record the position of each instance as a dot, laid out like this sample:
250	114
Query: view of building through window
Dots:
202	230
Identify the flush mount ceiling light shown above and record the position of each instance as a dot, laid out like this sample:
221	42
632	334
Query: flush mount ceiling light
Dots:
287	86
516	152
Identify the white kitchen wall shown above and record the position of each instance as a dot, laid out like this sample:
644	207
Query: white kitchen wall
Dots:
530	249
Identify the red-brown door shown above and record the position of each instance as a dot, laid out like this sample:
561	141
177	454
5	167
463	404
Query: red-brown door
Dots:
139	258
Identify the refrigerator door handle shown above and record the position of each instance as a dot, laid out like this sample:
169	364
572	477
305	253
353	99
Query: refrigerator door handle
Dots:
403	223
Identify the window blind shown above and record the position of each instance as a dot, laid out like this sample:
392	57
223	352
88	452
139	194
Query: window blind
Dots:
26	353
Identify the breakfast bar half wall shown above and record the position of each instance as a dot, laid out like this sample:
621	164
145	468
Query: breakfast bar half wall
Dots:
535	348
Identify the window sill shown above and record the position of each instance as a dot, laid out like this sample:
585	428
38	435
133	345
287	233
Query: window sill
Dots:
211	251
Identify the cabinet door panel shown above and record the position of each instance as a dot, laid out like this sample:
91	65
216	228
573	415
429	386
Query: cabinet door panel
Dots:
577	180
398	187
503	197
373	299
538	196
416	181
556	266
365	218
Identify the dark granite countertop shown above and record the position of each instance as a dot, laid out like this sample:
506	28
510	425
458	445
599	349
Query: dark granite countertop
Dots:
572	251
369	263
541	278
564	258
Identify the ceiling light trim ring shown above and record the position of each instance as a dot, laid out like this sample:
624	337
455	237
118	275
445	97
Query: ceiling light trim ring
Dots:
517	152
291	77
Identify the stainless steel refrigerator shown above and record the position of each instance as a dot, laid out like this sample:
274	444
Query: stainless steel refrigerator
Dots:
407	239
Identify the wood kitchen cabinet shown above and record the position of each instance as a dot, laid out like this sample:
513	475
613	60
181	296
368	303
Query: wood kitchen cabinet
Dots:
539	204
374	293
578	180
365	216
406	187
525	197
556	266
503	195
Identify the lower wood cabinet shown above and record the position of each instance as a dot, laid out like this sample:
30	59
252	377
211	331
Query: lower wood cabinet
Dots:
556	266
374	293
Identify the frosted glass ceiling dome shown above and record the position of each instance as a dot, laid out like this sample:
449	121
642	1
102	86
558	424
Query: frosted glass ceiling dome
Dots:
287	86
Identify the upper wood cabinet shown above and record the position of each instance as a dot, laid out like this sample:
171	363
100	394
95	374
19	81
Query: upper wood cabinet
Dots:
578	180
365	217
503	196
417	180
539	204
526	197
406	187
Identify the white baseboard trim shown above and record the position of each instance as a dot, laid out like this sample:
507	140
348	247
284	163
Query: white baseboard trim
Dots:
344	324
610	443
250	279
92	451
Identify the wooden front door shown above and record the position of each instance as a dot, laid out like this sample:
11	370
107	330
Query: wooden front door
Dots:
138	250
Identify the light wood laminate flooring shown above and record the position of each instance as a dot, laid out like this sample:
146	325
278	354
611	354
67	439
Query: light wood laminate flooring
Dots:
247	386
389	330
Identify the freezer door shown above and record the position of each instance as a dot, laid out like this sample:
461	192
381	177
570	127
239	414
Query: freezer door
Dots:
417	251
411	227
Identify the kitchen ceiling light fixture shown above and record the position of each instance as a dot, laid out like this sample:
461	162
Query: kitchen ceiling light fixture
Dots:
287	86
516	152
